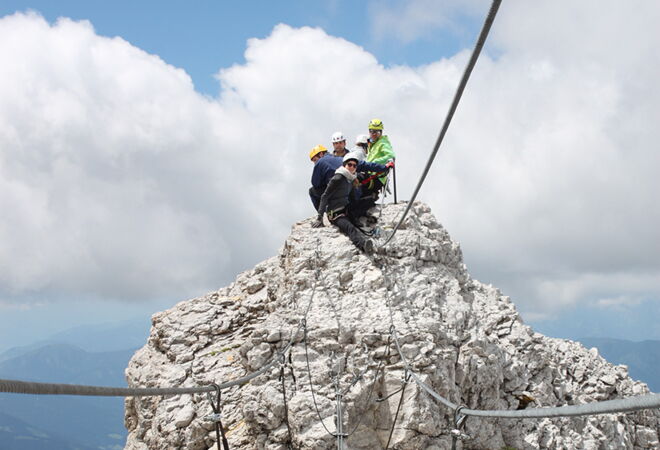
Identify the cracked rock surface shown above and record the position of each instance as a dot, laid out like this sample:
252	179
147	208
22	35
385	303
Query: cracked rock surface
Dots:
463	338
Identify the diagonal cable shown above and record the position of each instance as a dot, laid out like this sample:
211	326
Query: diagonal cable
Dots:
452	109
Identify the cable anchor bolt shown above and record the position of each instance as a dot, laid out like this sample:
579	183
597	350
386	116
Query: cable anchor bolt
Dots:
213	417
458	434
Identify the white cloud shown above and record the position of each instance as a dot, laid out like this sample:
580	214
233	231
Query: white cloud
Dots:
124	183
414	19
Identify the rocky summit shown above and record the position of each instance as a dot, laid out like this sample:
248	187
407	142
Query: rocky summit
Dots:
461	337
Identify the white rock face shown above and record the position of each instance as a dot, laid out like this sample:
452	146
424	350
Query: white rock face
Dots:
462	337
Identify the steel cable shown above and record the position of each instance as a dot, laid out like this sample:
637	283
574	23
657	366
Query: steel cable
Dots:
30	387
630	404
311	386
452	109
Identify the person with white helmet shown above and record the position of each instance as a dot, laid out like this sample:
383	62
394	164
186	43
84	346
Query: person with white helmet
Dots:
361	146
339	144
337	198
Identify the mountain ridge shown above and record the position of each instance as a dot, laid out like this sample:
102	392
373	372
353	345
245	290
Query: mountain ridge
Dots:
462	337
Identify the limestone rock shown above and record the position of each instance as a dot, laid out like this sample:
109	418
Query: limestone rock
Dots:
463	338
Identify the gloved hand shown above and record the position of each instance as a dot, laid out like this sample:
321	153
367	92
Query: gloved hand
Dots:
389	164
318	223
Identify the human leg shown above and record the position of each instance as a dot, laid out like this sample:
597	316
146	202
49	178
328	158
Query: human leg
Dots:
315	196
350	230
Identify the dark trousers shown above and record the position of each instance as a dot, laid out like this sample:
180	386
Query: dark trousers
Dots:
367	199
360	207
315	195
354	234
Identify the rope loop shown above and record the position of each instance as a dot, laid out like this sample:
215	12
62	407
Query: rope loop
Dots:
459	422
216	417
459	419
215	402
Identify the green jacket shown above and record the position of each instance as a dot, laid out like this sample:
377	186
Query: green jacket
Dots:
381	152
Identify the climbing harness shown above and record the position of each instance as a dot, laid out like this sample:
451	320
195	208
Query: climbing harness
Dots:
335	214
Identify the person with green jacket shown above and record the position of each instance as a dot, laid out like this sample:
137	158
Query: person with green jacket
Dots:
380	151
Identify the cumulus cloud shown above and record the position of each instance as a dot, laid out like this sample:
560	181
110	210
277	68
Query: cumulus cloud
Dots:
122	182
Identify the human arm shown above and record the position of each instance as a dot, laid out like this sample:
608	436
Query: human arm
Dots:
364	166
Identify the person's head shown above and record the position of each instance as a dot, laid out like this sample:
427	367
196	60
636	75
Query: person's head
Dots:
362	141
350	162
375	129
339	143
317	153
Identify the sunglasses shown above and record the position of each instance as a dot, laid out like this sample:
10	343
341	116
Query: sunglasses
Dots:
351	164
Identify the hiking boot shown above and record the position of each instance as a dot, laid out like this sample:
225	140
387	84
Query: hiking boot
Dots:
372	220
369	246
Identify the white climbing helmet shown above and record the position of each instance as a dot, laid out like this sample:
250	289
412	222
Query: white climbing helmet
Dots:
338	136
350	155
362	139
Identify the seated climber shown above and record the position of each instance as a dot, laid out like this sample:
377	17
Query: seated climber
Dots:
337	198
361	147
325	166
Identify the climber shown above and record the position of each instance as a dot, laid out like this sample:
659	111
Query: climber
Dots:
339	144
337	198
380	151
361	146
325	166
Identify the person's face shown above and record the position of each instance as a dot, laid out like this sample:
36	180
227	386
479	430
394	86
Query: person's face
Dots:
339	148
351	166
374	135
317	156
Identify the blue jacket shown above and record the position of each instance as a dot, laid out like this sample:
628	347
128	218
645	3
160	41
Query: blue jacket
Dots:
325	168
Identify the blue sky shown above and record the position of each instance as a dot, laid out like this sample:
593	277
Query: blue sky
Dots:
205	36
124	161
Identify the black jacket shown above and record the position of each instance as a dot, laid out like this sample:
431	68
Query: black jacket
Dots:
337	195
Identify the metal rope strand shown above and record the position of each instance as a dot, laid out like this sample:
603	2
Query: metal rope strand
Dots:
406	378
452	109
25	387
379	372
366	405
216	417
311	386
648	401
286	407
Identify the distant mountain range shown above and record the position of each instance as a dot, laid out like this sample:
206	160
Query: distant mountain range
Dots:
68	422
98	355
16	434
